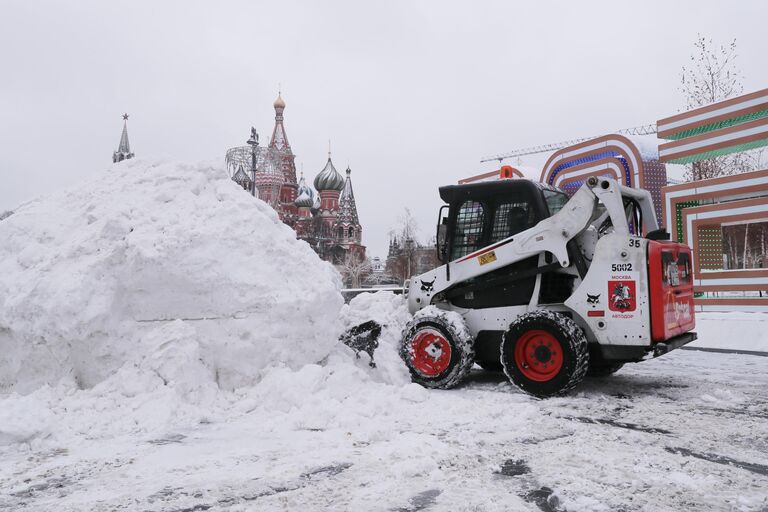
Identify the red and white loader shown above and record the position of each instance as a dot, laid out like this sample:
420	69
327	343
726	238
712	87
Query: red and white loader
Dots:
545	287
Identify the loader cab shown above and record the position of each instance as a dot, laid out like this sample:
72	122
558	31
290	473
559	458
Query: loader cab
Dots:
481	214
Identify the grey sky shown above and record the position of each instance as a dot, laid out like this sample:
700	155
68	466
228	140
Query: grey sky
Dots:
411	94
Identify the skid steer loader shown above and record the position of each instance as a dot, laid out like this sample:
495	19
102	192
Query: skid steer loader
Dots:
547	288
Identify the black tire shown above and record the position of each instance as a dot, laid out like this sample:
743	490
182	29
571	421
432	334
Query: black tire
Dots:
454	334
603	369
562	342
491	366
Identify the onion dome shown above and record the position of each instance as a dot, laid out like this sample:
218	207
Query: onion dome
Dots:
304	201
316	204
279	103
241	178
305	197
329	178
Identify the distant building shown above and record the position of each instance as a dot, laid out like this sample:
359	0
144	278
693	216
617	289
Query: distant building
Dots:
378	275
407	258
377	266
325	217
124	149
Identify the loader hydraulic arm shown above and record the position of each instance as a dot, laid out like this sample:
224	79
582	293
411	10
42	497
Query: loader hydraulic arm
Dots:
550	235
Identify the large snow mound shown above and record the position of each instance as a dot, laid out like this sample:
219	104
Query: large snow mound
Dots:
168	389
161	269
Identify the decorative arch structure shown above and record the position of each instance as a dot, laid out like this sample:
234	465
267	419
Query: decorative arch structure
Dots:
723	219
729	126
698	213
614	156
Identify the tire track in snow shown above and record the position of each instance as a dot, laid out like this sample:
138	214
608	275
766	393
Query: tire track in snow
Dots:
304	480
421	501
619	424
760	469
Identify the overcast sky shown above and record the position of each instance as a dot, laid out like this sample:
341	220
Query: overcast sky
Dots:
412	94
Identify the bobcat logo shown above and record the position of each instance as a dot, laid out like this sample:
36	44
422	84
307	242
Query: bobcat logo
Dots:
426	286
593	299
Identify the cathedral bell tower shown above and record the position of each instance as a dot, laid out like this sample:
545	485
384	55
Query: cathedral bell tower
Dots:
279	143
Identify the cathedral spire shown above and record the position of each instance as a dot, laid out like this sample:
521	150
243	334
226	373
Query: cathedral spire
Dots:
279	139
124	149
347	205
279	144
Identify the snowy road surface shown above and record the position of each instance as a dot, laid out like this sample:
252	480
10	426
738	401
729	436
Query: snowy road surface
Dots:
688	431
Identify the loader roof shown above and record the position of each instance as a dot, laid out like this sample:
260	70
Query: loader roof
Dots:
454	193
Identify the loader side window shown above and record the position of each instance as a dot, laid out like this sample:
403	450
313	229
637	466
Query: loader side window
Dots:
468	229
555	201
510	219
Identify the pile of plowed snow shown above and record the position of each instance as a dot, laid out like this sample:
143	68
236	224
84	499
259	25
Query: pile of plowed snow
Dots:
158	274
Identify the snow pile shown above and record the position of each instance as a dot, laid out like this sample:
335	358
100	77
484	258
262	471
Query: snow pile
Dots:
160	296
342	392
338	392
155	274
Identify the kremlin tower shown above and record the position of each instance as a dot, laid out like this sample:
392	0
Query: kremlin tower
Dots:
124	149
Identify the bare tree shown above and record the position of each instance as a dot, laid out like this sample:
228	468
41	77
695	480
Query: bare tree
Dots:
713	76
355	268
408	227
401	262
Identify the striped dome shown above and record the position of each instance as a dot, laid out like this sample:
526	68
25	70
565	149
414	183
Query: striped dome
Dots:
305	197
329	178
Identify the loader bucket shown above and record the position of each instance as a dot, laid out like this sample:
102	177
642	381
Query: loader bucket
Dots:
363	338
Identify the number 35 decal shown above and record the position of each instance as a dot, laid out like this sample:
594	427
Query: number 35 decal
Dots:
621	267
634	242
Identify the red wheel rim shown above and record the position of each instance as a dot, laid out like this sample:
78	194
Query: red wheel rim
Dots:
538	355
430	353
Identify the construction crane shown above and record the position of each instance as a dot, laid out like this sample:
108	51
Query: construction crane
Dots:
648	129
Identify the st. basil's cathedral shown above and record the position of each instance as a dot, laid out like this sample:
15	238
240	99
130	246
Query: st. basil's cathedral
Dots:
325	217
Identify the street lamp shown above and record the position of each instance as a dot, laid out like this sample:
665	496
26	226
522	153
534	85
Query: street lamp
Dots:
253	141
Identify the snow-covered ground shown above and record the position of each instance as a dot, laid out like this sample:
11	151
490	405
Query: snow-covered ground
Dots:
166	344
688	431
732	331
